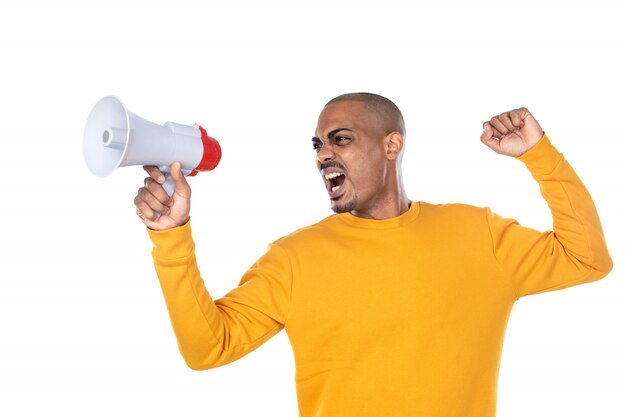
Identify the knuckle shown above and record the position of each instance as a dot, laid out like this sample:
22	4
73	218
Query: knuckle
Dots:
143	193
153	186
146	198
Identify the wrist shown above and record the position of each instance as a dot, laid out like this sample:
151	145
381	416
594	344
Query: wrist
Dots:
542	158
173	243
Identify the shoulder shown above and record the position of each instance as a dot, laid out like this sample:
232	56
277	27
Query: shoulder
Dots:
465	224
451	210
307	234
454	218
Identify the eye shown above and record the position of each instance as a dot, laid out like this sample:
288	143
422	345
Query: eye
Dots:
342	140
317	146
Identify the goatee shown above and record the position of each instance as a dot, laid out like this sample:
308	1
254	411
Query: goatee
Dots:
344	208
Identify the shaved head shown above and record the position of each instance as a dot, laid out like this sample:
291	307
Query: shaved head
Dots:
359	142
388	114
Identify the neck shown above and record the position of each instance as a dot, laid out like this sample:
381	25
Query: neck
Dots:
386	211
391	203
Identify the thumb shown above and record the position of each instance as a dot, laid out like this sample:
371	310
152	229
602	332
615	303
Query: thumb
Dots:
487	131
181	186
488	139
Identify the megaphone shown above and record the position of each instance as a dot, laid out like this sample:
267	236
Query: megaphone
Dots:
116	137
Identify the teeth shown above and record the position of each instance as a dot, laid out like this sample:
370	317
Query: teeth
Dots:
335	188
332	175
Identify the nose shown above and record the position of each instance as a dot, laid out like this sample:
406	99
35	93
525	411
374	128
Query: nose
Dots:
326	153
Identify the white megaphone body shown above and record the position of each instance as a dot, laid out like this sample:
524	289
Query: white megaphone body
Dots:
116	137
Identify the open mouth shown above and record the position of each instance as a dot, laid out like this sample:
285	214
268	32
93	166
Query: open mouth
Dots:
334	181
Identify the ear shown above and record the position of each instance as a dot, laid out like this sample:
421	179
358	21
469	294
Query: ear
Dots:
394	143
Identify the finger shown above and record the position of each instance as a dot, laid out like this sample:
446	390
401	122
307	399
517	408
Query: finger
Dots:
149	222
505	119
488	139
518	116
487	132
155	173
153	203
143	210
158	191
181	186
529	126
499	128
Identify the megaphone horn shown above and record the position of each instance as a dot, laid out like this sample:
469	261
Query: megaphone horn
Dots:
115	137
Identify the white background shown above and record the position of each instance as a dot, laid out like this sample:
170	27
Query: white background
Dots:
83	326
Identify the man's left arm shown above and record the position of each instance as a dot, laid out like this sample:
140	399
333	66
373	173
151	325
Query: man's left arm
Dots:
575	252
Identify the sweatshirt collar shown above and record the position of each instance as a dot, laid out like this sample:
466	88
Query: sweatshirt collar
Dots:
394	222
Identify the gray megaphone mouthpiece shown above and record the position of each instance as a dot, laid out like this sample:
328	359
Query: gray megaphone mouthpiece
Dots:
116	137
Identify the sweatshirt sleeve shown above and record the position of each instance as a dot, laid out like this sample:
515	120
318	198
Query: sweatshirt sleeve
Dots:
213	333
574	253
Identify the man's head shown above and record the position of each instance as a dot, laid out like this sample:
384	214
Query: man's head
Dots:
359	142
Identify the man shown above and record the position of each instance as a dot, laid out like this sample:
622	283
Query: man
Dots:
393	307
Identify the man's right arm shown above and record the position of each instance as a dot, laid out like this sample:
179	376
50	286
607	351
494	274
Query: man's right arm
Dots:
209	333
214	333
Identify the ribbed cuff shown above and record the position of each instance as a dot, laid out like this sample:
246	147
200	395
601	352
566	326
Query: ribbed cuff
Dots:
172	244
542	158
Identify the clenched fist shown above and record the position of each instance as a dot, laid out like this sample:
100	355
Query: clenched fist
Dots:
155	208
512	133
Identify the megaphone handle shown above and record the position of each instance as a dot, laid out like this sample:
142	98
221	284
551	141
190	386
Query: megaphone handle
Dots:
168	185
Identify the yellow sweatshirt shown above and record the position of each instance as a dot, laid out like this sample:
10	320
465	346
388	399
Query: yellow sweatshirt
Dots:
397	317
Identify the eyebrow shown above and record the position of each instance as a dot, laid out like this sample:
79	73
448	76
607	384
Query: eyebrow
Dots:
332	133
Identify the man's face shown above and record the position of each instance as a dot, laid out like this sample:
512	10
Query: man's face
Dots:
350	156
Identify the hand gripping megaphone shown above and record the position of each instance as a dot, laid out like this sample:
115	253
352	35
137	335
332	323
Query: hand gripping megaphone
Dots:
115	137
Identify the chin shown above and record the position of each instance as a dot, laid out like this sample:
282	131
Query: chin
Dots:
339	206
